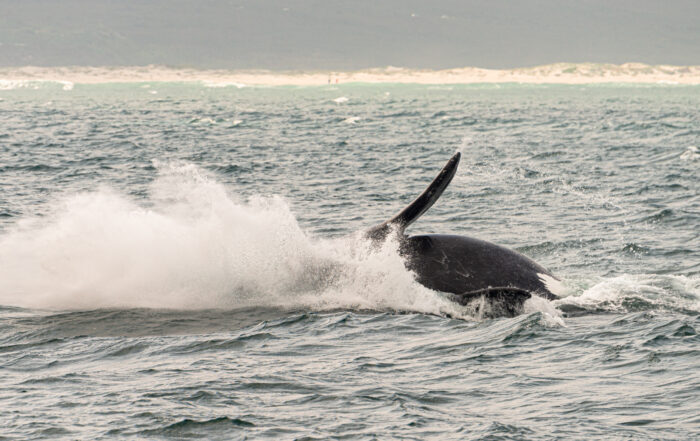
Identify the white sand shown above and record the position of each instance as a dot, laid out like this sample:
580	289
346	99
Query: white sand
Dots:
559	73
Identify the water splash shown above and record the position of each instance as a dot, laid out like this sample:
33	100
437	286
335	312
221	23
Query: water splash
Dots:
196	246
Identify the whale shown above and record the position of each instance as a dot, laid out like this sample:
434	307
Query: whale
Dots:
490	279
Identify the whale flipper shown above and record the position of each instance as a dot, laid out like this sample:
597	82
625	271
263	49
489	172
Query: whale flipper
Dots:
420	205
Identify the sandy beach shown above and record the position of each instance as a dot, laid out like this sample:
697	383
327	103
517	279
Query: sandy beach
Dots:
558	73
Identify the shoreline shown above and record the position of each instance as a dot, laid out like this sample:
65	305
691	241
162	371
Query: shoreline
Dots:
558	73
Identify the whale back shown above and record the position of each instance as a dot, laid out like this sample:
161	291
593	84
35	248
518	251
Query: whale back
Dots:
467	266
420	205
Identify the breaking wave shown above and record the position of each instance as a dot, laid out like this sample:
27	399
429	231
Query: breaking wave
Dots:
35	84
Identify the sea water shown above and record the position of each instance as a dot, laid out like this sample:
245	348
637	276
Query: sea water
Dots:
183	261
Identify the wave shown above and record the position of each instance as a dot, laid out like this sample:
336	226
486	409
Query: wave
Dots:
8	84
634	293
558	73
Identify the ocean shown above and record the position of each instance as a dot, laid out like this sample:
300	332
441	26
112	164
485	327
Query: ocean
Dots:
182	261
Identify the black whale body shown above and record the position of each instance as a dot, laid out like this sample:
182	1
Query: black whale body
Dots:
494	280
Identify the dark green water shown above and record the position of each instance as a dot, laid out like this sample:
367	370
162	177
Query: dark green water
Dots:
181	264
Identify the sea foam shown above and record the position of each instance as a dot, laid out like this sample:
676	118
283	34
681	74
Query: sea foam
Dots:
633	292
34	84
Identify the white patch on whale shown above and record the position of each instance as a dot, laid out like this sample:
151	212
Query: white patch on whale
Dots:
554	286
